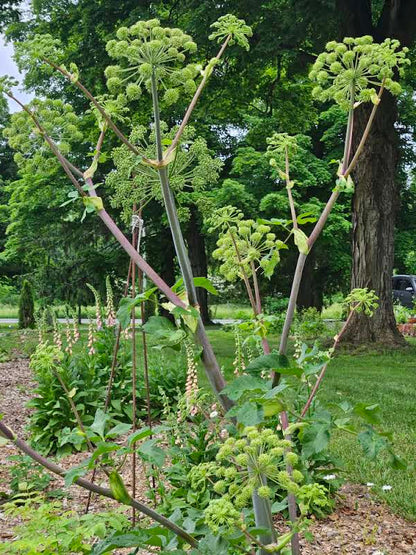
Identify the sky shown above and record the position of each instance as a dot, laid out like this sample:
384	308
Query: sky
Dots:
8	67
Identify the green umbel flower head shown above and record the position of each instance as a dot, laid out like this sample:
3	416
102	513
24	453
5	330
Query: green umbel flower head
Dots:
60	123
193	171
281	145
229	26
241	465
147	49
255	242
352	71
362	300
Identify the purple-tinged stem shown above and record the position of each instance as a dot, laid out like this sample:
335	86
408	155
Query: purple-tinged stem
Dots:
193	102
325	366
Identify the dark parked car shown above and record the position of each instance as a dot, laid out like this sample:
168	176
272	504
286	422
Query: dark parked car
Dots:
404	290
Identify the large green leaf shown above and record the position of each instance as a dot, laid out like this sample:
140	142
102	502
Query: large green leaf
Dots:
274	362
315	439
248	414
371	442
127	304
164	332
152	453
243	384
210	545
369	413
202	282
272	407
100	420
301	241
138	435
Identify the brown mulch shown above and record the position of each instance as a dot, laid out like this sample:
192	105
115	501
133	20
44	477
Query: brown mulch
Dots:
360	525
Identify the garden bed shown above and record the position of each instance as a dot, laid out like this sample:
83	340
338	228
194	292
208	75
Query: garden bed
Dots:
359	525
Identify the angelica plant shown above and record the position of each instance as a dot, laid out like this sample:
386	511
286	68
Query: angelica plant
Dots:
352	71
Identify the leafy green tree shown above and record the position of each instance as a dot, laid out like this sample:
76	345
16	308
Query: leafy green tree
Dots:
26	306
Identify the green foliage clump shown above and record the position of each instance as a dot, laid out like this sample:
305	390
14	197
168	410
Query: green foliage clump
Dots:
353	70
27	477
26	306
309	324
85	373
49	528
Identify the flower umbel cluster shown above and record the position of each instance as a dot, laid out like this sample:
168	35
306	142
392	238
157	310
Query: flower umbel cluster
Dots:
193	170
146	49
242	466
281	148
230	26
60	123
352	71
245	245
362	300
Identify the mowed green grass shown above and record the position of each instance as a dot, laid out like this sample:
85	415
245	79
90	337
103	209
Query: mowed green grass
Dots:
388	379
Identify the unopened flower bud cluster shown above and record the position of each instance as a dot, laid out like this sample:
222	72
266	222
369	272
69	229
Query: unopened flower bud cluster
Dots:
241	466
245	243
352	71
146	49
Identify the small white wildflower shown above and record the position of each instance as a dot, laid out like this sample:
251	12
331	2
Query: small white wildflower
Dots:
369	484
213	414
386	488
224	434
330	477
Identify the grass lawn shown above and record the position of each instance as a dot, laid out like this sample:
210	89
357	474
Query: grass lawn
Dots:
388	379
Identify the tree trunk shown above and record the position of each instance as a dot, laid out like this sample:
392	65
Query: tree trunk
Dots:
375	205
376	197
310	291
198	259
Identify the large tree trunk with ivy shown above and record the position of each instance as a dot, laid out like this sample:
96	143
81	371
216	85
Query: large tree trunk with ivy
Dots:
376	197
198	259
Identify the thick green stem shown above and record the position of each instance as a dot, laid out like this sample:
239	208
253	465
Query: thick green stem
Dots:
209	360
263	519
